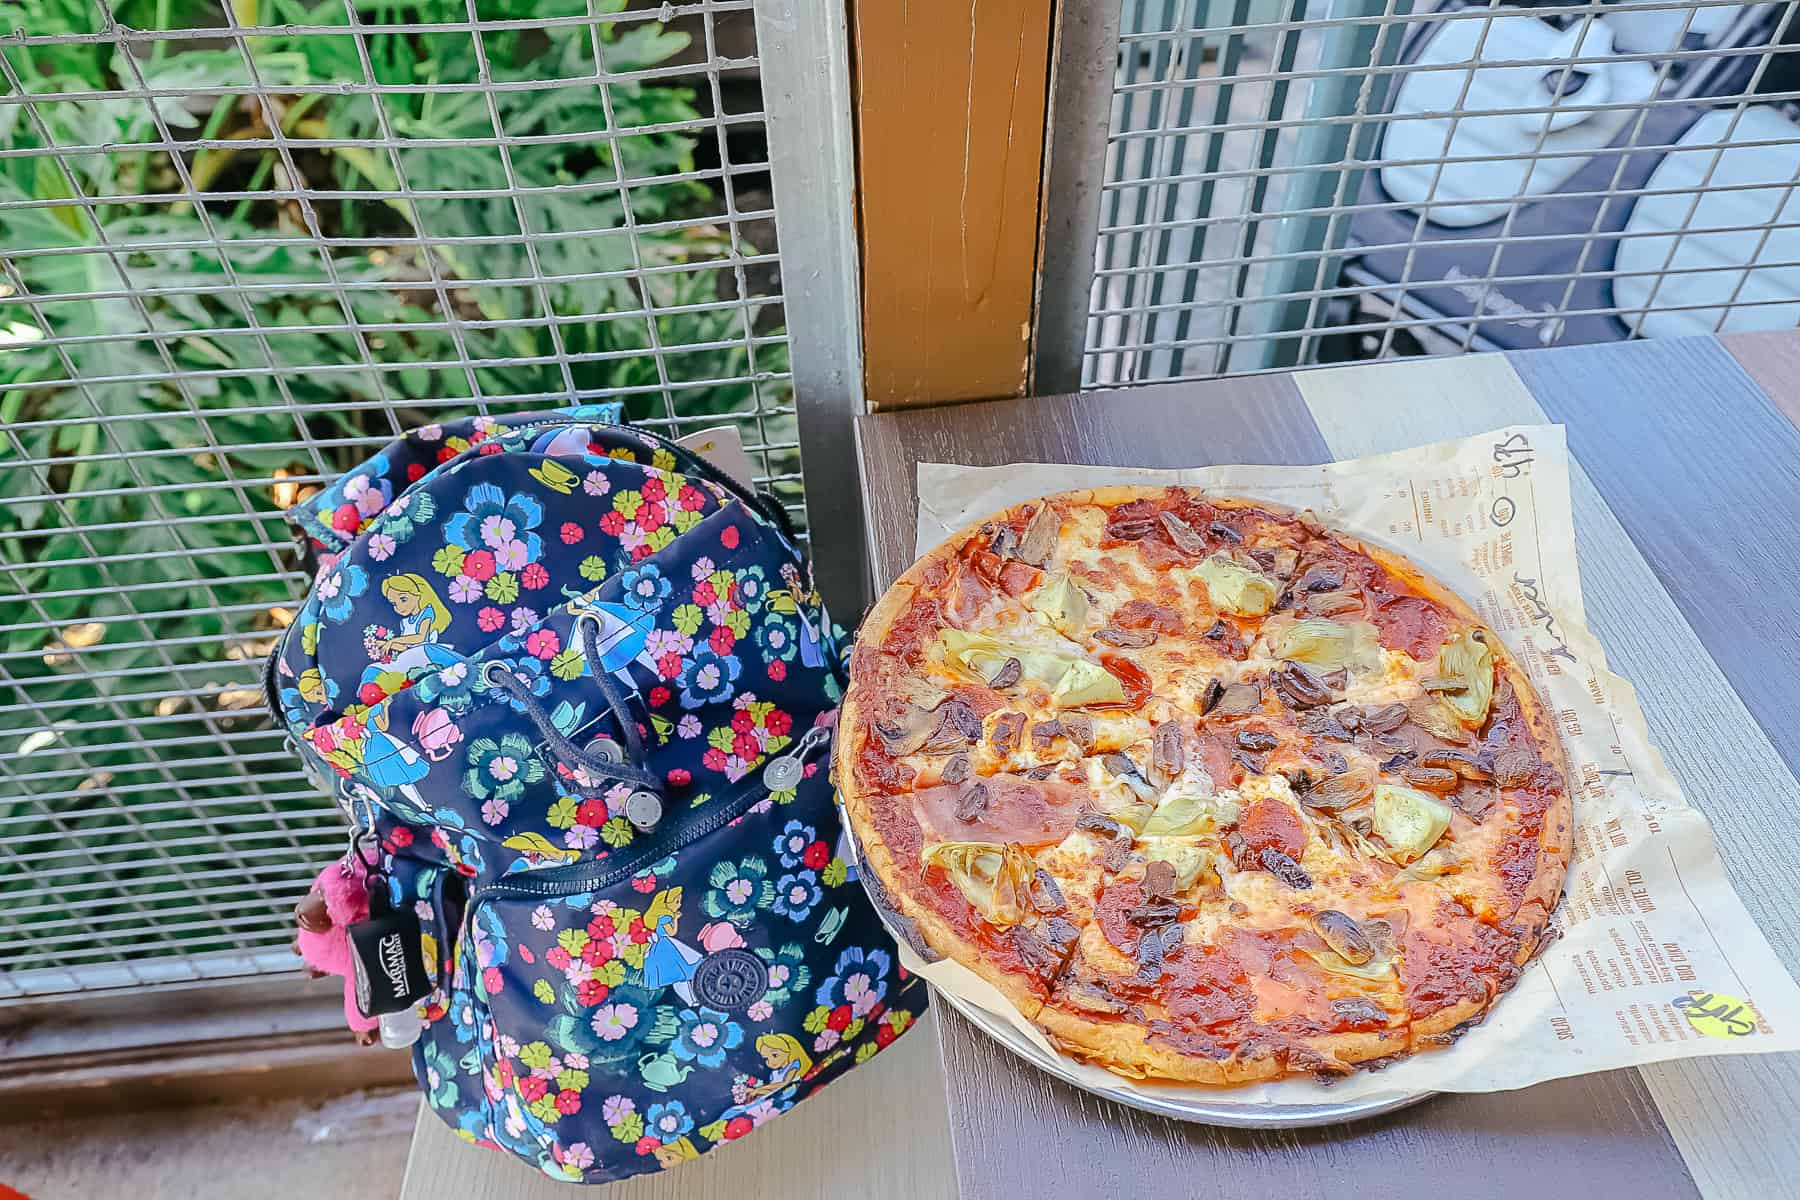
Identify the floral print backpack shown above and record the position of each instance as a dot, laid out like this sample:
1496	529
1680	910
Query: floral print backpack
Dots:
573	685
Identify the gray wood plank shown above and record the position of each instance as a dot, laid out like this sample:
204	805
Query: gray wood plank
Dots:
1015	1128
1772	359
1704	474
1731	1117
878	1133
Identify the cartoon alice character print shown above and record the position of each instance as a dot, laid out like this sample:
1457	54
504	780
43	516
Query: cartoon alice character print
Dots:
667	962
398	659
424	617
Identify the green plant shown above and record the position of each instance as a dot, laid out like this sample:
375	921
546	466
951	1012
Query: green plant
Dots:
232	358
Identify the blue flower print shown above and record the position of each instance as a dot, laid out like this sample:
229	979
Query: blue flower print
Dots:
752	589
338	587
453	687
793	841
788	973
796	894
709	678
645	587
775	638
705	1037
859	980
527	670
668	1122
738	891
462	1017
492	520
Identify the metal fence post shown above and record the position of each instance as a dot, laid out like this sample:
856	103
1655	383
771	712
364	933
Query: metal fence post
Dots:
805	46
1336	148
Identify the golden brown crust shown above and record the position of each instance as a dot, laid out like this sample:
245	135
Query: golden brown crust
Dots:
1123	1046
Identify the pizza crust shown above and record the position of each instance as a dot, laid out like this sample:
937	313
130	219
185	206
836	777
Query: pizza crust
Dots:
1124	1047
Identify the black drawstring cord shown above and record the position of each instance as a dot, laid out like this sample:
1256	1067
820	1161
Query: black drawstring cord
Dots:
498	675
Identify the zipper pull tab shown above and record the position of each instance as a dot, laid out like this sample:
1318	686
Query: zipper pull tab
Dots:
785	773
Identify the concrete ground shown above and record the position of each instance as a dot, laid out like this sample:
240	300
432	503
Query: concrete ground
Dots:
348	1148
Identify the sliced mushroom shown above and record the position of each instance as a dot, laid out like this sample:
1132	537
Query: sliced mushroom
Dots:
1345	937
1168	752
1183	535
1239	699
1038	541
1300	686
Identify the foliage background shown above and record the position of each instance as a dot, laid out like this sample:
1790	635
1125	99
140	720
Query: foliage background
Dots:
144	569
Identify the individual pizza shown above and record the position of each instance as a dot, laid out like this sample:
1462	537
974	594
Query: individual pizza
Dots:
1210	792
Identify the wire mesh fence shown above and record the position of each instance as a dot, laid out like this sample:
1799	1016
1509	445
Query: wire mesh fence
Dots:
1290	181
243	243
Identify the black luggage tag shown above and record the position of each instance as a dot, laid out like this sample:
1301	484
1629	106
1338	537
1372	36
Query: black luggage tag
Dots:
387	953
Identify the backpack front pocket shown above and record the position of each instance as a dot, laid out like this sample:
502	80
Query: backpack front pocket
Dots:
631	1019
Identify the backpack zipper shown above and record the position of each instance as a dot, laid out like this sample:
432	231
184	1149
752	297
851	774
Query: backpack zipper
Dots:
591	877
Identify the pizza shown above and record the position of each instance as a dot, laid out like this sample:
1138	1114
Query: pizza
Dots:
1210	792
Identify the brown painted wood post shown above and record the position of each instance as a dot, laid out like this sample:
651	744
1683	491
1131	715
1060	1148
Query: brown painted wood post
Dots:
950	100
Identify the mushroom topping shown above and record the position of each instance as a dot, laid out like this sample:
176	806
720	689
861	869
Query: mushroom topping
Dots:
1038	541
1345	937
1183	535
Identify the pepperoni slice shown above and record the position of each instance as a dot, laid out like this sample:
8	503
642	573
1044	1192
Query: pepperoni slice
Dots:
1272	825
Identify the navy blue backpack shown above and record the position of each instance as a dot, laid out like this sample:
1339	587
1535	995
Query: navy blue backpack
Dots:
580	684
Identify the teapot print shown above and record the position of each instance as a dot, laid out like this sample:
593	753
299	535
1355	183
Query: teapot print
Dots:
661	1072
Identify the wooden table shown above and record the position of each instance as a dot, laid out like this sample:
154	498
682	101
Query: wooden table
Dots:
1687	510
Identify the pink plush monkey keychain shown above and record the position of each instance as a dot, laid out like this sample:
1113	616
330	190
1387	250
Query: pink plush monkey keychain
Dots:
339	899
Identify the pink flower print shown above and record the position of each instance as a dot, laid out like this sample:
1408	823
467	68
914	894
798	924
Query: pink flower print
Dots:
612	1022
860	995
578	1155
718	611
688	726
429	433
762	1010
498	530
464	589
575	1061
828	1037
542	918
596	483
503	767
381	546
490	619
703	567
667	641
632	538
494	811
523	618
511	556
581	837
543	644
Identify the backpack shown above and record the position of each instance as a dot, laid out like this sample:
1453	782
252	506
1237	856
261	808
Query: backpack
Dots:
574	690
